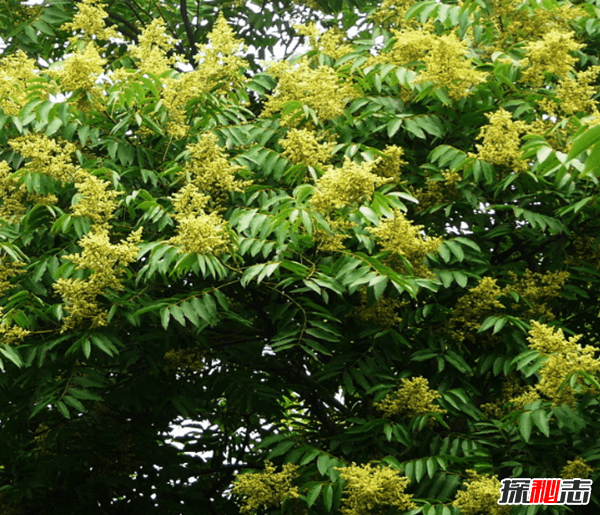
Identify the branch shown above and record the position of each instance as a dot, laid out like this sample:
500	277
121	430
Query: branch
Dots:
129	30
187	24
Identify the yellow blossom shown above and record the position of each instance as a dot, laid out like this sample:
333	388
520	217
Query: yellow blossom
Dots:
576	468
410	46
392	13
514	397
550	55
107	262
481	496
414	397
535	288
329	242
381	312
80	70
564	357
267	489
218	62
209	169
448	65
183	360
575	94
472	308
11	334
8	270
502	141
152	48
330	43
340	187
198	231
97	201
49	157
439	191
402	237
516	21
90	20
370	489
320	88
303	146
12	195
15	71
390	164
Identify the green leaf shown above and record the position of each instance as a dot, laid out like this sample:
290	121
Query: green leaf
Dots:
456	249
525	424
313	493
328	497
64	411
281	448
540	419
74	403
323	464
583	142
11	354
53	126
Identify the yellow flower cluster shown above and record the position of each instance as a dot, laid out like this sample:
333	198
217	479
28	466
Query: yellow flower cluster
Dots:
382	312
516	22
210	171
49	157
550	55
448	65
107	262
502	141
576	468
12	195
410	46
218	64
575	94
183	360
97	201
8	270
472	308
330	43
370	489
392	12
218	61
401	237
329	242
514	397
197	231
90	20
152	48
267	489
15	71
390	164
481	496
80	70
414	397
320	88
439	192
304	146
12	335
340	187
535	287
564	357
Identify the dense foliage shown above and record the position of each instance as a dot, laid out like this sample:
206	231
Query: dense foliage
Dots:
364	278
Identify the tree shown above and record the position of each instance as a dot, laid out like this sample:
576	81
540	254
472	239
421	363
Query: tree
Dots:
364	278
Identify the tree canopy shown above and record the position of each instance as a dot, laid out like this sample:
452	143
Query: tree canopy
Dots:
364	278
